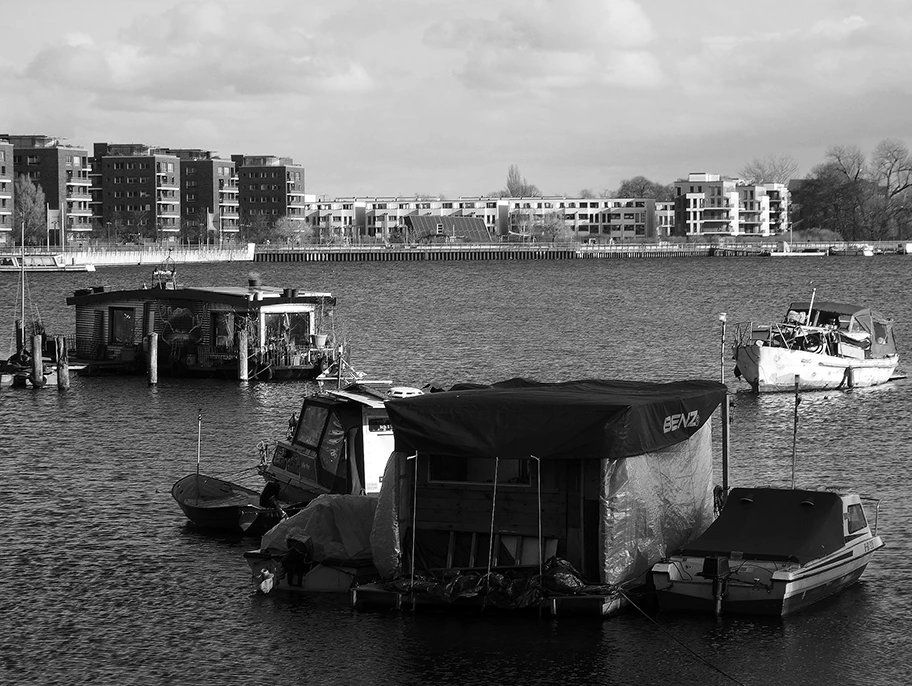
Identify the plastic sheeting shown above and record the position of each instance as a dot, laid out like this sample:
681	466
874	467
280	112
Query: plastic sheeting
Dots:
331	527
652	504
384	536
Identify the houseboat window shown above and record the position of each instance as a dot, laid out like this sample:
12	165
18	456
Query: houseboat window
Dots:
856	519
123	326
288	328
222	331
310	426
478	470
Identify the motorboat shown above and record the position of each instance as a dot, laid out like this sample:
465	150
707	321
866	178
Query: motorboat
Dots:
819	345
771	551
40	262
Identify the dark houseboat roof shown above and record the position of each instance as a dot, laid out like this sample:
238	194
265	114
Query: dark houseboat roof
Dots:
570	420
237	296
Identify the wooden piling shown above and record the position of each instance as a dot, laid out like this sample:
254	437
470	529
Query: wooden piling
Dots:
153	358
242	355
38	378
63	364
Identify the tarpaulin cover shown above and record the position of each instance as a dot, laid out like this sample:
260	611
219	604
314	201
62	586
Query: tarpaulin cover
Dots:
331	527
774	524
589	419
651	504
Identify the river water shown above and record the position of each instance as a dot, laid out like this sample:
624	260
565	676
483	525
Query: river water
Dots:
104	582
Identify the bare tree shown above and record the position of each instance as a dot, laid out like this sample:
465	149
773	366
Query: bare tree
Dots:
770	169
641	187
517	186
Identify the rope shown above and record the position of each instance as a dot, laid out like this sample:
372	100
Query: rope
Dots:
678	641
491	535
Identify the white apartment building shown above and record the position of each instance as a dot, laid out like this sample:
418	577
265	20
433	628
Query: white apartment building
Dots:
714	205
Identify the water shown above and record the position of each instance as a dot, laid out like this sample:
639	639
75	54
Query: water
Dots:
103	581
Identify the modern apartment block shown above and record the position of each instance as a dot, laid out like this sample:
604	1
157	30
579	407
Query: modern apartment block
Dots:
209	195
714	205
140	191
7	236
62	173
590	219
270	188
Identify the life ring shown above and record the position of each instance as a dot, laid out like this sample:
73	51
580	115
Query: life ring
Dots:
39	382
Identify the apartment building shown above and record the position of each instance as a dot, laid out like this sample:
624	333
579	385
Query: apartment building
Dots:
209	195
714	205
62	173
7	236
140	191
270	188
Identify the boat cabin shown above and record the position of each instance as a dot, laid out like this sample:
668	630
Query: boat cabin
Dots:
603	476
339	443
281	333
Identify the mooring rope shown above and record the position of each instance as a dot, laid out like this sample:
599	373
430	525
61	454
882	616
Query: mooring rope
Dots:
677	640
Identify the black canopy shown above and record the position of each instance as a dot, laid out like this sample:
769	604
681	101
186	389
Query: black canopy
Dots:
575	419
774	524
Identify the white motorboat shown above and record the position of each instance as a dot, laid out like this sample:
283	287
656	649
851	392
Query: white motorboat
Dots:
770	552
823	345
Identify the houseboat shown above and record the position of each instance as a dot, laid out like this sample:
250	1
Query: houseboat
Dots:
256	332
555	497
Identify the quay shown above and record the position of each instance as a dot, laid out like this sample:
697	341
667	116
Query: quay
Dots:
441	252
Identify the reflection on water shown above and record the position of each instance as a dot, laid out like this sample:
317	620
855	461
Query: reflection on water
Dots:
105	581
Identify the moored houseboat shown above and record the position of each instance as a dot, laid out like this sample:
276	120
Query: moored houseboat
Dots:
268	332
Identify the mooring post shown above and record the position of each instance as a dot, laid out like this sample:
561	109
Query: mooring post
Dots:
63	364
153	358
242	355
37	362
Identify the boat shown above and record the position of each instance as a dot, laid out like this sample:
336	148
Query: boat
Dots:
819	345
785	250
550	497
256	332
27	366
771	551
213	503
333	457
40	262
339	442
325	547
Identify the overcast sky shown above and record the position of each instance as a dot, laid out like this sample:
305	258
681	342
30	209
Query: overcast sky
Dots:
398	97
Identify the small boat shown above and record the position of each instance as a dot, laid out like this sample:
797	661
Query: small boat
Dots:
213	503
259	332
770	552
40	262
785	250
819	345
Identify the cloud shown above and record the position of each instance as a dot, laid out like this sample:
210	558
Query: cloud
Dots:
200	51
549	45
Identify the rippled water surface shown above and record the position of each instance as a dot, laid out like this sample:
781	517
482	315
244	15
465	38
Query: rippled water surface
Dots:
104	582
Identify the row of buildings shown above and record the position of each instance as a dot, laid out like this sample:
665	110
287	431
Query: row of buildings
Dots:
171	194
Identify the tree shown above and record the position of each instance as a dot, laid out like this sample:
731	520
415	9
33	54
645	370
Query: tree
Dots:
517	186
587	193
30	208
891	174
770	169
641	187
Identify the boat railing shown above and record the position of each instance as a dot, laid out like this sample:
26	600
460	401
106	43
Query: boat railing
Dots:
788	335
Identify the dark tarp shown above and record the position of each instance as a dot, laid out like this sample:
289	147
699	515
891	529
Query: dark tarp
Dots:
592	419
774	524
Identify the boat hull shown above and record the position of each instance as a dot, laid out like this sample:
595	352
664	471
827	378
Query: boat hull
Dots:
774	369
760	587
270	574
212	503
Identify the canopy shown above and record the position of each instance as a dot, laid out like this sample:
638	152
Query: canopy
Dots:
774	524
591	419
865	319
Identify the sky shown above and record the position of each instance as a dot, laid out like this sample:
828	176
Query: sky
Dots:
405	97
